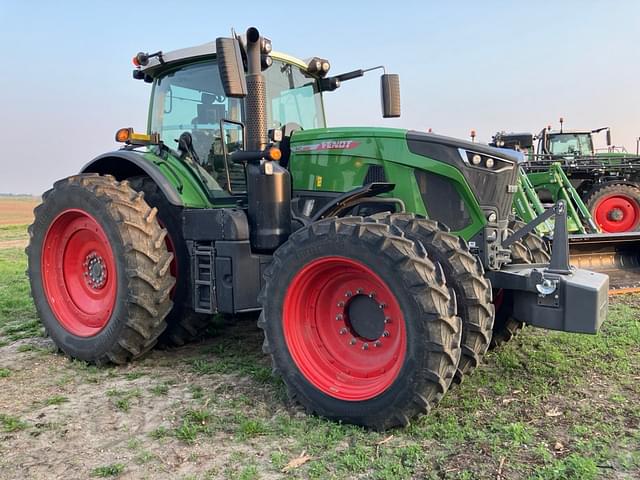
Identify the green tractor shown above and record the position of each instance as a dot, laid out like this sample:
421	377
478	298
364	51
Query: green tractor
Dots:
381	260
607	180
601	191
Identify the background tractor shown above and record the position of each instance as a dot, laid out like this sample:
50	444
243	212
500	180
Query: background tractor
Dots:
600	190
607	180
382	260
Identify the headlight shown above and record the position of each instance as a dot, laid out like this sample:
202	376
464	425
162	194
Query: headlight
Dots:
485	161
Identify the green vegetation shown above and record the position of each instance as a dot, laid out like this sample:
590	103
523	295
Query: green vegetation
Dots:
10	423
122	398
13	232
112	470
56	400
18	317
544	406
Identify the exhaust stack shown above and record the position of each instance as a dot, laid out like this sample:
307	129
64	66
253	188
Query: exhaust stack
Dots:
256	100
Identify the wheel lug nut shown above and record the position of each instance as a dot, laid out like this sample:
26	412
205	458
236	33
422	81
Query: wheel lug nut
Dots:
359	291
387	320
339	317
342	331
352	341
340	304
365	346
348	293
372	294
385	333
382	306
377	343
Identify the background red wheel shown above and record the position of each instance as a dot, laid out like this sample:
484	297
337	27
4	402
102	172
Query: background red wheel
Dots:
616	207
617	213
78	272
344	328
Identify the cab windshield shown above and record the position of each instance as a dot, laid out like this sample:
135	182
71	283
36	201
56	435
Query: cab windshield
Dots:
191	99
571	144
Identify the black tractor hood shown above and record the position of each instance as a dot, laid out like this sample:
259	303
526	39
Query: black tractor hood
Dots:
492	187
509	155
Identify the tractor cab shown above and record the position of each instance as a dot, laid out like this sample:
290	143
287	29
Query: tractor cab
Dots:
188	96
570	144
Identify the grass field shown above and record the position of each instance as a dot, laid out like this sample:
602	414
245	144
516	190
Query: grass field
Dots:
545	406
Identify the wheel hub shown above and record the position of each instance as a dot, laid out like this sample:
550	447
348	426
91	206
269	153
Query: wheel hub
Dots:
615	215
79	273
95	271
344	328
365	317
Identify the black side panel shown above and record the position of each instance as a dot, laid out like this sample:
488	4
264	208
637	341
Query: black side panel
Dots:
124	164
434	188
215	224
238	276
489	187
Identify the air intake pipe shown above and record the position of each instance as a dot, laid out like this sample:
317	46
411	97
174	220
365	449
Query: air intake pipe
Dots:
256	101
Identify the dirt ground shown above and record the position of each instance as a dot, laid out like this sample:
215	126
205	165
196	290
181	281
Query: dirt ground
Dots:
17	210
546	406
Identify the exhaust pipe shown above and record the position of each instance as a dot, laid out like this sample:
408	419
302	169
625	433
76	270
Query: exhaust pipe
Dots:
268	184
256	100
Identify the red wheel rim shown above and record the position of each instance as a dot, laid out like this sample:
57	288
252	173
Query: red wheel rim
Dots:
79	273
617	213
326	339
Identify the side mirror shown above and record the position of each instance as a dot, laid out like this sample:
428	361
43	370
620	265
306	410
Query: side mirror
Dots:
608	138
390	95
231	67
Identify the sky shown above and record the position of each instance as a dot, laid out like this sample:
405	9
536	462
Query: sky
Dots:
66	86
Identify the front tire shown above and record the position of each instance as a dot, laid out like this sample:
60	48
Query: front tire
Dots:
99	269
360	325
464	273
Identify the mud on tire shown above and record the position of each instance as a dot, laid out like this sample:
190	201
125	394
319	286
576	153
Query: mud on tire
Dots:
325	364
106	218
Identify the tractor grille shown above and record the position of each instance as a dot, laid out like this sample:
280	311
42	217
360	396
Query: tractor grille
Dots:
442	200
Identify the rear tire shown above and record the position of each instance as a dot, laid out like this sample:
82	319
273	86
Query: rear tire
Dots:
530	249
183	324
464	273
615	207
325	296
99	269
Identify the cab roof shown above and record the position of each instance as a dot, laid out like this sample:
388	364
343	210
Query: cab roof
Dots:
199	52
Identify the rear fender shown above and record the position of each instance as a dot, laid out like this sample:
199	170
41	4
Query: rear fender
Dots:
124	164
